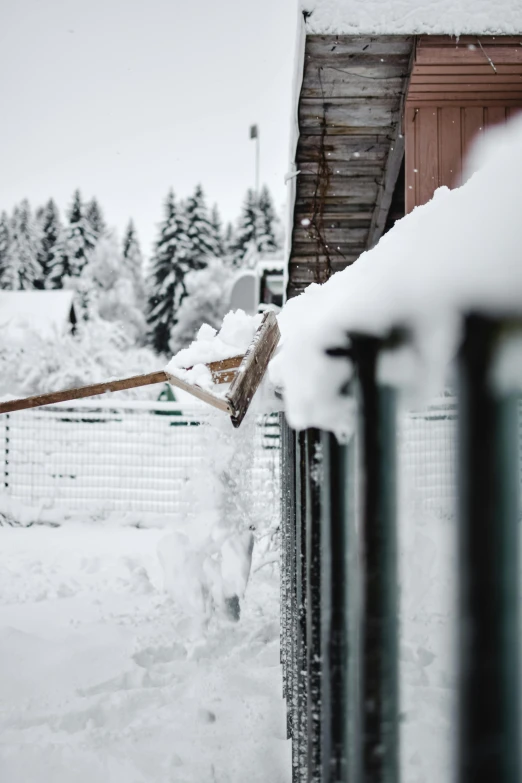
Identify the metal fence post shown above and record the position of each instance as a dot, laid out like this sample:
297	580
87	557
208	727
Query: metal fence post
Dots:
334	568
284	591
6	451
489	698
301	693
289	580
379	667
313	476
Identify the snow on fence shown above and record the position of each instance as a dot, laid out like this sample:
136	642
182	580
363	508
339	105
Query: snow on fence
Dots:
125	456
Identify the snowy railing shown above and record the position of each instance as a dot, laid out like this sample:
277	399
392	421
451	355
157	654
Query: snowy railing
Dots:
125	457
430	499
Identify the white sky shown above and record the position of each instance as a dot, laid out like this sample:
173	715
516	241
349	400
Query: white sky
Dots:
125	98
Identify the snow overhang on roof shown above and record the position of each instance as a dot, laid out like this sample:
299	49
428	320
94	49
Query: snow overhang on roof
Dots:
412	17
48	313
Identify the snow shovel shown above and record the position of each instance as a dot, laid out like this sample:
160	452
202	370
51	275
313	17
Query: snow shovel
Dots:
244	373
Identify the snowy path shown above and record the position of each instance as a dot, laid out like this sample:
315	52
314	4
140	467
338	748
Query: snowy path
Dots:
101	679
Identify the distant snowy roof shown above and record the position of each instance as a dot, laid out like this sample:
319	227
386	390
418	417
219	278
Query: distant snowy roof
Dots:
45	312
407	17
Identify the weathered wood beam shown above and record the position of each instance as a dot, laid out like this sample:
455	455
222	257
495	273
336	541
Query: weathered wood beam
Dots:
330	82
393	164
324	46
351	148
365	191
386	188
356	169
334	117
332	236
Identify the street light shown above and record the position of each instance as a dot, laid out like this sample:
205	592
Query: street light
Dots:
254	134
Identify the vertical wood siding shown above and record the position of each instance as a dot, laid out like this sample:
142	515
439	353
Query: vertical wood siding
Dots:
456	91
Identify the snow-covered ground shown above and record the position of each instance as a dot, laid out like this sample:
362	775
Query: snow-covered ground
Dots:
102	677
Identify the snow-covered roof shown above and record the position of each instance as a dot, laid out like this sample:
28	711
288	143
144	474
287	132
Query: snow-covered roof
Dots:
45	312
408	17
269	264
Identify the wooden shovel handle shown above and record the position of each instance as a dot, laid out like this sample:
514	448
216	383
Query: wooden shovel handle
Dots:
83	391
222	371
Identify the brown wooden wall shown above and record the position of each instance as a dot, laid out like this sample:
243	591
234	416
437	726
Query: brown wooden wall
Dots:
456	90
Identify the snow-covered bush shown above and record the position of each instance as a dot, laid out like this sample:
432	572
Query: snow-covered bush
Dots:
207	301
99	351
111	289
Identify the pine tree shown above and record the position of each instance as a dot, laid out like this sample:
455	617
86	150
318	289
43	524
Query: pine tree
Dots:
22	269
245	242
51	233
4	244
200	231
173	258
229	238
266	219
217	230
94	215
133	259
75	245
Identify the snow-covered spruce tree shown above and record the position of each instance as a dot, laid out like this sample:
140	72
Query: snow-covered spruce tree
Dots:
200	231
94	215
173	258
4	244
266	222
50	232
133	260
247	227
229	237
77	242
22	269
207	301
217	228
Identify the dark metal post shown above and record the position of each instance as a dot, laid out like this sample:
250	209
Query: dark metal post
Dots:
314	474
288	574
489	698
379	667
6	453
284	591
300	737
334	611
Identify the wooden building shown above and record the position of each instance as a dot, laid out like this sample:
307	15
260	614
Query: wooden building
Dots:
383	121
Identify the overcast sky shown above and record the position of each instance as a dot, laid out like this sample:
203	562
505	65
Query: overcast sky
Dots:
126	98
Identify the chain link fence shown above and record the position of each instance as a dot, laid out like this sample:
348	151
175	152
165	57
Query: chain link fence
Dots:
130	457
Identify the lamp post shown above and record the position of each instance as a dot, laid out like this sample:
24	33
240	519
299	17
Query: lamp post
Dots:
254	134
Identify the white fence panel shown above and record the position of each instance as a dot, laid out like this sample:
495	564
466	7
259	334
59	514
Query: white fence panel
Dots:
125	456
